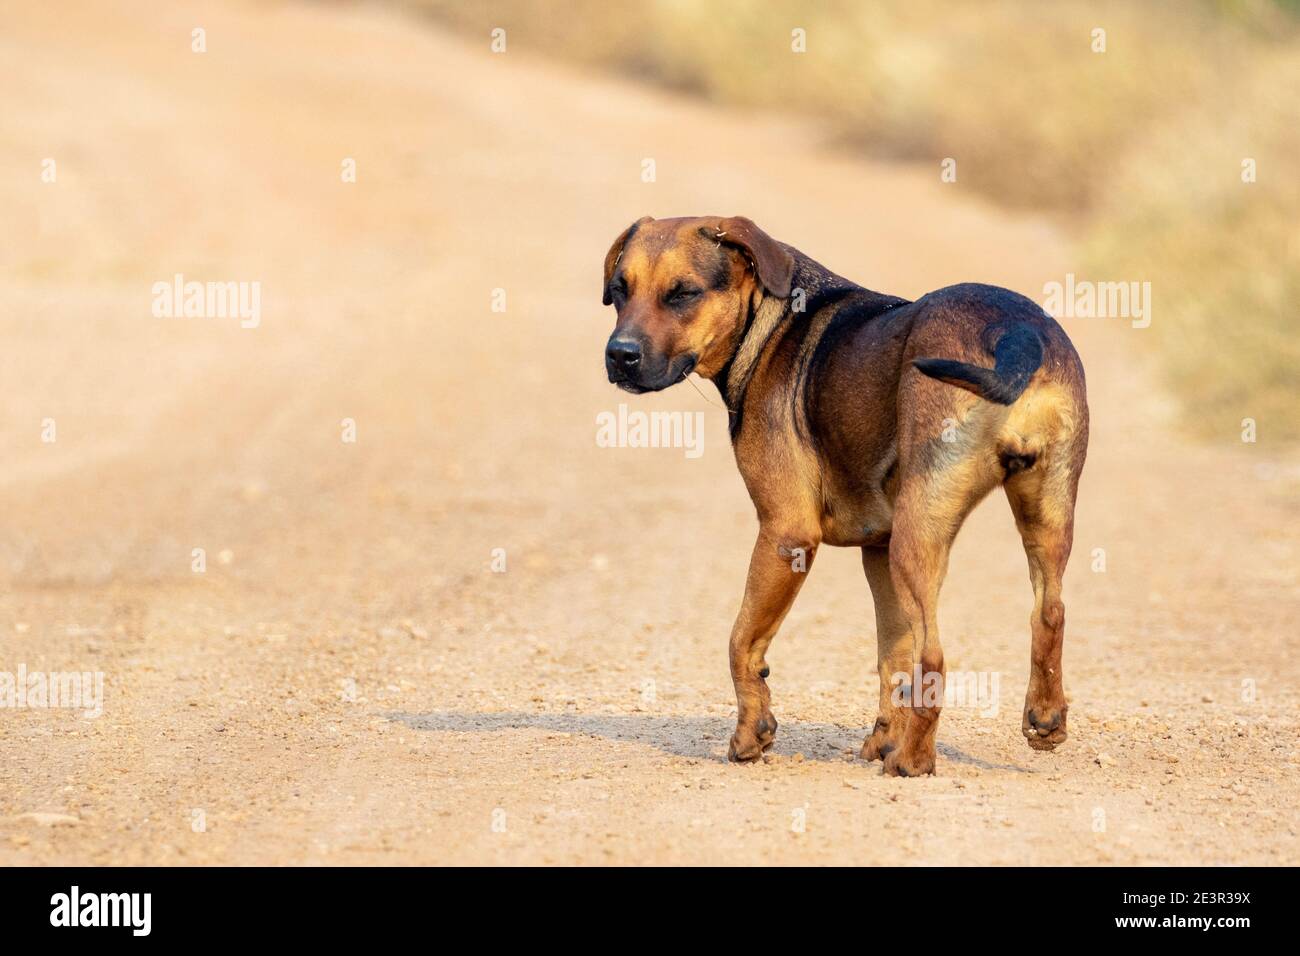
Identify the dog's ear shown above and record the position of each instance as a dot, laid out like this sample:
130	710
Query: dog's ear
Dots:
772	262
616	252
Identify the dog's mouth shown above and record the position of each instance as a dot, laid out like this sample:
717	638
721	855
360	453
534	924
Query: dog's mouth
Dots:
676	371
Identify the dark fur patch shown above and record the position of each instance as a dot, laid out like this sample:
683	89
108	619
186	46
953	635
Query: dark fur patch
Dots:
713	263
890	472
1013	464
821	298
617	274
851	315
724	386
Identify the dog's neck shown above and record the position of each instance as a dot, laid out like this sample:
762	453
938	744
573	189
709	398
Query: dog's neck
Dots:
762	321
767	313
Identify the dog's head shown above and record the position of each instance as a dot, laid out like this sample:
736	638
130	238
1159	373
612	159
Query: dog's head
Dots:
683	289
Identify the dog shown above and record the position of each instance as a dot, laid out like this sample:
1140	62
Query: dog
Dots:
863	420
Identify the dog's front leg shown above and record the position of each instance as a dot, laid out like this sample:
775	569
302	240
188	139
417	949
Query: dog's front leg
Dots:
777	570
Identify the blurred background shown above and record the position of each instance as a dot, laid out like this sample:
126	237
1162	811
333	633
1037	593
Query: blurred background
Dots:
1135	151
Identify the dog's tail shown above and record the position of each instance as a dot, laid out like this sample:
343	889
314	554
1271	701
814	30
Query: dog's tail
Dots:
1016	357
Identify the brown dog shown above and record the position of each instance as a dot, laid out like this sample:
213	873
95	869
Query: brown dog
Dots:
848	431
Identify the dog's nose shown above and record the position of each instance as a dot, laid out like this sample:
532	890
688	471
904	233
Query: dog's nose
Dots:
623	354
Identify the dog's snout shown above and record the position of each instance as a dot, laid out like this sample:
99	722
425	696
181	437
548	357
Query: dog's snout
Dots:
624	354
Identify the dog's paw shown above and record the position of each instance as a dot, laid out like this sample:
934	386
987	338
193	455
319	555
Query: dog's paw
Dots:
1044	726
748	745
899	763
884	737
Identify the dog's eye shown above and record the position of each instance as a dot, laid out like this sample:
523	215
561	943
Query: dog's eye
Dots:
618	290
681	296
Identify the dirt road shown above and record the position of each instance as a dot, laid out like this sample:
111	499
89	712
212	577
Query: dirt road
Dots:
349	680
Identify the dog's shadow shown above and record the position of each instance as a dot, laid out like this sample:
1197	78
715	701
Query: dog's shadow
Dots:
700	738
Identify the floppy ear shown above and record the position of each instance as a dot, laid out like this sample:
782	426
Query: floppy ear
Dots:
772	263
616	252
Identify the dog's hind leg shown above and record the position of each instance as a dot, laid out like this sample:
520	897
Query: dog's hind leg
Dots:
777	570
893	656
1042	500
931	506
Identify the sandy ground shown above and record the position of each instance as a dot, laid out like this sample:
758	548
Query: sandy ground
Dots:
349	681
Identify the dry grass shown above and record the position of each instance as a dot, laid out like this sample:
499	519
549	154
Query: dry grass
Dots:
1224	255
1137	150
